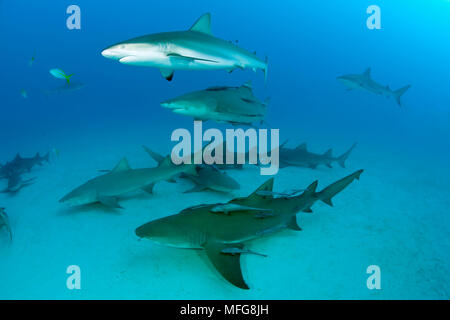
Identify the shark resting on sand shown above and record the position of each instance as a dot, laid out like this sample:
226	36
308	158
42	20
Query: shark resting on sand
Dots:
107	187
222	229
366	83
193	49
207	177
301	157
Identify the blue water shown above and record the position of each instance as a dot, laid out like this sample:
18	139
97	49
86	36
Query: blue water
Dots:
395	217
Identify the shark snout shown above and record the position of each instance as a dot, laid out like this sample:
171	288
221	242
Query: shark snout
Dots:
113	53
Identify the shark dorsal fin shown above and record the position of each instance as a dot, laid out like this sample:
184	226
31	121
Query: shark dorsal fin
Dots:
302	146
203	24
154	155
367	73
121	166
328	153
266	186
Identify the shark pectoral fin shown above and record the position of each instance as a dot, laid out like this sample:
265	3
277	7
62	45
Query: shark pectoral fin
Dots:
111	202
178	58
228	265
167	74
292	224
196	188
149	188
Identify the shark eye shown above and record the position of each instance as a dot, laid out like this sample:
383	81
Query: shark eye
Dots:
122	46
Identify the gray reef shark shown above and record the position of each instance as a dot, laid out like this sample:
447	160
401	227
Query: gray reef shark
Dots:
364	82
222	229
21	165
207	177
193	49
4	222
236	105
301	157
122	179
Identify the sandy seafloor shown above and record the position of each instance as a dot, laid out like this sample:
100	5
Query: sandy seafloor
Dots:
396	217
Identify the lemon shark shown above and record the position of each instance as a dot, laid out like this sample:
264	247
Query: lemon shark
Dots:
236	105
301	157
366	83
21	165
122	179
193	49
222	229
207	177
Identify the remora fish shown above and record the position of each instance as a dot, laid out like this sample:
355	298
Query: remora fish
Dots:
4	222
364	82
301	157
122	179
194	49
208	176
222	235
236	105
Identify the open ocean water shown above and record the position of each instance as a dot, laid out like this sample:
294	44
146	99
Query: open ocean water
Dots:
395	217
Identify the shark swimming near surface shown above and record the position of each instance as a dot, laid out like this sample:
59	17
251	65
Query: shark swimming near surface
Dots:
193	49
222	229
301	157
207	177
4	222
366	83
236	105
107	187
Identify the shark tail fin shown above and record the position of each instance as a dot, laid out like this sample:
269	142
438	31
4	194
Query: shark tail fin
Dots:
341	159
327	194
398	93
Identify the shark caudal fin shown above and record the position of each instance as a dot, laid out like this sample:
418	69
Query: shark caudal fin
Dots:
327	194
398	93
341	159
